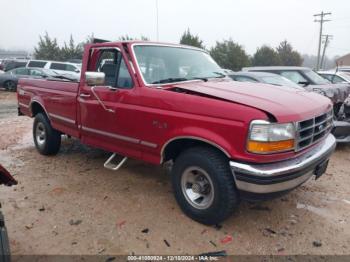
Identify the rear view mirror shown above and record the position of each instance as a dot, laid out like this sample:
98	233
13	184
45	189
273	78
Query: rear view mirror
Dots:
95	78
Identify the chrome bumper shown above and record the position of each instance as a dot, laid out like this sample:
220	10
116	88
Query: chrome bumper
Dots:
284	175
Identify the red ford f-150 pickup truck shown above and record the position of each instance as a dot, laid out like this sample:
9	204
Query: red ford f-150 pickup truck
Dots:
161	102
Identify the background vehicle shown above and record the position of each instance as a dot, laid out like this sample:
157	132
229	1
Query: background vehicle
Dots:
9	80
58	67
7	180
335	77
345	69
10	64
263	77
162	103
311	81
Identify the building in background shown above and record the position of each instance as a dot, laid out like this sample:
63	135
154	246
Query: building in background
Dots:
344	60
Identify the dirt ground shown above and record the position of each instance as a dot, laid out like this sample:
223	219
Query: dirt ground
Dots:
70	204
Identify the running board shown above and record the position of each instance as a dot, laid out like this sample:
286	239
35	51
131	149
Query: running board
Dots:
109	165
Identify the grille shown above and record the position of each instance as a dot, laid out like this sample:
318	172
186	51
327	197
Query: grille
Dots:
312	130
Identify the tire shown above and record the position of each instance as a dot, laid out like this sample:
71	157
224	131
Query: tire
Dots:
10	86
4	242
204	186
47	140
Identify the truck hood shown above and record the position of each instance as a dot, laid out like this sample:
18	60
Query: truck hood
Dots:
338	93
284	103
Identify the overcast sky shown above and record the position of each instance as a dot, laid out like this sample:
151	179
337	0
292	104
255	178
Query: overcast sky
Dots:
251	23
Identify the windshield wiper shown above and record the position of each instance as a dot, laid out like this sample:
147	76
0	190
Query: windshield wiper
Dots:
170	80
64	77
220	75
201	78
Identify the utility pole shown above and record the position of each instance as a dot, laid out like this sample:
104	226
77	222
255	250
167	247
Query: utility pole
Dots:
326	42
321	21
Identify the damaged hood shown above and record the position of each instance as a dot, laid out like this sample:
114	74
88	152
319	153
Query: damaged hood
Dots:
284	103
338	93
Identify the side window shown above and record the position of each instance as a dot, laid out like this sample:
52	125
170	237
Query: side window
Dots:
58	66
39	64
124	78
111	62
294	76
34	72
70	68
107	63
245	79
21	71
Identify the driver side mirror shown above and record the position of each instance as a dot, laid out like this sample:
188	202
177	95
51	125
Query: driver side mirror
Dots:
304	83
95	78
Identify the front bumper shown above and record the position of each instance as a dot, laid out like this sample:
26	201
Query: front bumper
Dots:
272	178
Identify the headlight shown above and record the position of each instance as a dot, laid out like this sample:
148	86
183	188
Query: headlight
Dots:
265	137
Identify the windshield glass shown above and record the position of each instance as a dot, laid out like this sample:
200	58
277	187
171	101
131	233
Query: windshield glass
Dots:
165	64
280	81
316	78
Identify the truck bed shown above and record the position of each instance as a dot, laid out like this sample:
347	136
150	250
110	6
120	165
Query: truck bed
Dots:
57	97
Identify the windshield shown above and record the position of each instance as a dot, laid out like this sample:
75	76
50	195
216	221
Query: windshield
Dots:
316	78
165	64
280	81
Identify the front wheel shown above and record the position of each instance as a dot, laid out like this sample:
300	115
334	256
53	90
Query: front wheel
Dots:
47	140
204	186
10	86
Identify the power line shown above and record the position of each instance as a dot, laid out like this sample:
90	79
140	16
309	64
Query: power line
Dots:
321	21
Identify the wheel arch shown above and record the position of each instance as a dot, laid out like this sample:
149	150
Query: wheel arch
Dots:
37	107
174	146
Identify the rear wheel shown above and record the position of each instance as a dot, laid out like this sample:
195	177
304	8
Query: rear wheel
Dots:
204	186
47	140
10	86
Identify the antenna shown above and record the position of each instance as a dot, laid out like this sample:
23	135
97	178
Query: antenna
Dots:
157	20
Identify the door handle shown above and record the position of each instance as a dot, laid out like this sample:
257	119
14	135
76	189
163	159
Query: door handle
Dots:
82	95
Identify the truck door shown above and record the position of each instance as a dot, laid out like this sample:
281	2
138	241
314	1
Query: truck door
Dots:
106	111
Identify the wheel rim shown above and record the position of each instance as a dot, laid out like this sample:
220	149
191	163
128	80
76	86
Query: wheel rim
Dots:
10	85
40	134
197	187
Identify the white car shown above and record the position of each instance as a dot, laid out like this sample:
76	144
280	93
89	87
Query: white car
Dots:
343	69
62	68
335	77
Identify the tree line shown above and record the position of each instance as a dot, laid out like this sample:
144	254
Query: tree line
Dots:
231	55
227	53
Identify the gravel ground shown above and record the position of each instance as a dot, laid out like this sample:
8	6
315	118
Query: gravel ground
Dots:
70	204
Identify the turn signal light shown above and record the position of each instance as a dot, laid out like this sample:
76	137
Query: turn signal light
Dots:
270	147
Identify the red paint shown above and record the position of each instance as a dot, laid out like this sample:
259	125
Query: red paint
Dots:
218	111
227	239
121	224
